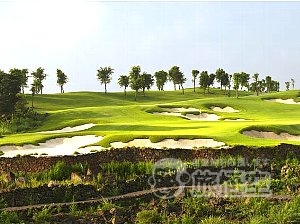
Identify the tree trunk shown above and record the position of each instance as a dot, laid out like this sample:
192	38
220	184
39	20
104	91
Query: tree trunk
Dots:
125	91
61	89
135	95
41	90
105	88
182	89
22	89
174	86
236	93
194	85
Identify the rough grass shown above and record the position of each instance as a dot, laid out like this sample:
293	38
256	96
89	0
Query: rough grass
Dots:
120	118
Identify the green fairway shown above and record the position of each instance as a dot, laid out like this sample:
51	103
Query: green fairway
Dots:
120	118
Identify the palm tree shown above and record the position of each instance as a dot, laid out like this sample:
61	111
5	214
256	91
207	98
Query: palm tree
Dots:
195	73
124	81
104	76
62	79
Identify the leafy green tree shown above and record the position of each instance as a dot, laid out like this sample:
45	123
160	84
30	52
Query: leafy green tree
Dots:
195	73
287	86
225	80
135	79
256	83
244	80
24	78
274	86
177	77
262	85
212	77
236	83
38	77
293	83
62	79
147	81
104	76
229	85
123	81
10	87
161	78
220	73
268	83
204	80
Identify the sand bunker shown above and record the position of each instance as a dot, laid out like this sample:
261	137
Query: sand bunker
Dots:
169	143
70	129
181	109
225	109
287	101
177	112
53	147
272	135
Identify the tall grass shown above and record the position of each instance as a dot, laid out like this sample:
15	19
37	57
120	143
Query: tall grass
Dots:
125	170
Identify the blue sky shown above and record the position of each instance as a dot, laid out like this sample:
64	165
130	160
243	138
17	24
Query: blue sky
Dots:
78	37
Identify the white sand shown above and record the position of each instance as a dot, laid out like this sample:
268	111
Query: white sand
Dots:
180	109
53	147
287	101
70	129
225	109
272	135
67	146
203	117
169	143
177	112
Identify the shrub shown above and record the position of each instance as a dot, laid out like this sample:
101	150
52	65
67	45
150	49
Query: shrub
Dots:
148	217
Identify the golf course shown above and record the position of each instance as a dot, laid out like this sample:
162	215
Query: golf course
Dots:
117	118
165	157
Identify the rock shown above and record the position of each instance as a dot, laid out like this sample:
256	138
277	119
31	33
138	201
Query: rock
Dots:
9	177
52	183
76	177
21	180
89	172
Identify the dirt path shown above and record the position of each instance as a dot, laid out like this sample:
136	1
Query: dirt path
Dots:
207	189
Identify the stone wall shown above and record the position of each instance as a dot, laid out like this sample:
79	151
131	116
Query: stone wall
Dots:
37	164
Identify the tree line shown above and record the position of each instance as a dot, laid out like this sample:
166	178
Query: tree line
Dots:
16	80
139	81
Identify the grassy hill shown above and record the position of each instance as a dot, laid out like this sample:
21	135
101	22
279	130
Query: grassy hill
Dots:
120	118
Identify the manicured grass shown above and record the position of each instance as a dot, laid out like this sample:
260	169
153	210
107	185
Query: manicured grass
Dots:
120	118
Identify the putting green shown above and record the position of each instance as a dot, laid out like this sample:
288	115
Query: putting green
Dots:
120	118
